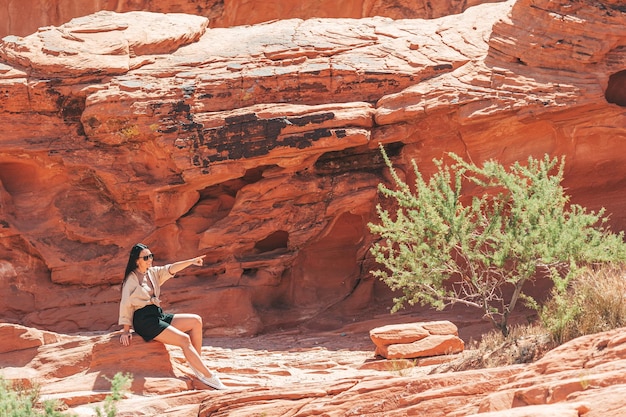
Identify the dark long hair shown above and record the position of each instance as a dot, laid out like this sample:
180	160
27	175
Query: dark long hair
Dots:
132	260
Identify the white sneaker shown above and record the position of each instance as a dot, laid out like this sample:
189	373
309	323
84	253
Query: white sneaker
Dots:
213	381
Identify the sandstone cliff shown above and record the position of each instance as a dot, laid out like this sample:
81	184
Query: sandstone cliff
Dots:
23	17
258	145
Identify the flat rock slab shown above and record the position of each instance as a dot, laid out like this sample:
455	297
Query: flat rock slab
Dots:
416	340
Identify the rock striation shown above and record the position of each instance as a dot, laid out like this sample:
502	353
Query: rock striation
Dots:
307	375
259	146
14	21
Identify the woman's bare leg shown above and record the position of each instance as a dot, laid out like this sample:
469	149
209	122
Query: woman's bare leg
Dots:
173	336
191	324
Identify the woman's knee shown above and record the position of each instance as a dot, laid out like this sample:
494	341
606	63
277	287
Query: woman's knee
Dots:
194	321
198	319
187	322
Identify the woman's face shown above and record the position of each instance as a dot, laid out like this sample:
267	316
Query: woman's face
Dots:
145	260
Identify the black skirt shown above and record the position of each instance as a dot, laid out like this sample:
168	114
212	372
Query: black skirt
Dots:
150	321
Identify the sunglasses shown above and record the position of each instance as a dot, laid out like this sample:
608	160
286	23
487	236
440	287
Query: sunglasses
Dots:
145	258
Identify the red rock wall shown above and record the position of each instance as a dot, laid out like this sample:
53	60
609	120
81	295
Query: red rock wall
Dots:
263	152
23	17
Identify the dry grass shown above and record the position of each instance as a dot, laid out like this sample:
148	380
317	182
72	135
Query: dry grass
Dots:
595	302
603	296
524	344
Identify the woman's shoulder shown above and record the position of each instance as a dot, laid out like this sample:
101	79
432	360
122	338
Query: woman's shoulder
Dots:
132	278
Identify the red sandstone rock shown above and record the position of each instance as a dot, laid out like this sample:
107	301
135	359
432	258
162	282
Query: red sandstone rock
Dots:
433	345
416	340
398	333
104	43
442	327
411	332
269	374
15	337
558	410
13	20
263	153
61	363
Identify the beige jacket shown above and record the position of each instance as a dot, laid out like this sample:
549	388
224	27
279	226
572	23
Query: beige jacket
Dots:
134	296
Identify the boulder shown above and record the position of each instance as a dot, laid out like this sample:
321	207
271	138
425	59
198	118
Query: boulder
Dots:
398	333
416	340
16	337
433	345
61	363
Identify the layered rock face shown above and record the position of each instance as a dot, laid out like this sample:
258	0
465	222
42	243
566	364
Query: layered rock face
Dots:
259	146
23	17
584	377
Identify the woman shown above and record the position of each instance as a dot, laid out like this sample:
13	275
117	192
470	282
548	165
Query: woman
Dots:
140	308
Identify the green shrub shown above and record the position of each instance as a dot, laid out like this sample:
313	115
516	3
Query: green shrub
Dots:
20	401
440	247
120	384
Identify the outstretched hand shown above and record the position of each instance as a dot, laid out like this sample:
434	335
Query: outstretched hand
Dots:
180	265
198	261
